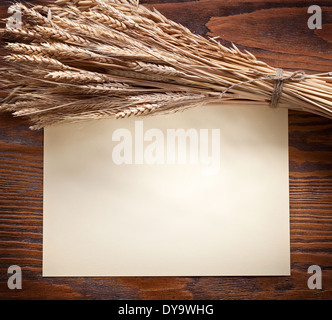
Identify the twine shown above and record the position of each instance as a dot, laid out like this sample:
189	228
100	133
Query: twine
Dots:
279	80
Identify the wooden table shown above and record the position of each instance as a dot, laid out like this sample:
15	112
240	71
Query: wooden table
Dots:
276	32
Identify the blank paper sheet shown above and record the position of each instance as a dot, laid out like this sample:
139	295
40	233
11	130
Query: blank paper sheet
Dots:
198	193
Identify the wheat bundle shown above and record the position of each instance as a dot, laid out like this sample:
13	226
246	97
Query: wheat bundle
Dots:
89	59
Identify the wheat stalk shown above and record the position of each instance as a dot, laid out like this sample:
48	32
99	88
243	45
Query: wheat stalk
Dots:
36	59
91	59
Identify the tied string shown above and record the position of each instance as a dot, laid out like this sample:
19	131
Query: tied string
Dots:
279	80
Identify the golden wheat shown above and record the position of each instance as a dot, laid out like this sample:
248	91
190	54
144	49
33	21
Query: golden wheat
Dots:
75	60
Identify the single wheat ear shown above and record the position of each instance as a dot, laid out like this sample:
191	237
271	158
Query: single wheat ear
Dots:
90	59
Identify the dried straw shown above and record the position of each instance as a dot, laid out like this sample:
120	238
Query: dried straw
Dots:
90	59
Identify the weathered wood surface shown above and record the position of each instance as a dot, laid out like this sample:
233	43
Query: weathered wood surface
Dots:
276	32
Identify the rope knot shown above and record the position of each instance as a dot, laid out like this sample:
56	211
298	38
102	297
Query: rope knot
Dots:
279	80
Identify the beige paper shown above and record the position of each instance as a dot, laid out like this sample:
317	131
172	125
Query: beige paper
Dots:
154	216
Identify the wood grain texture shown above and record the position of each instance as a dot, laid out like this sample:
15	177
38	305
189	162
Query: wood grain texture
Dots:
275	31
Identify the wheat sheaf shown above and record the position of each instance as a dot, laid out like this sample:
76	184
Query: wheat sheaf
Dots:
77	60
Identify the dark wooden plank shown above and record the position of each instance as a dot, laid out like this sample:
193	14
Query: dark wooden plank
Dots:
261	27
275	31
